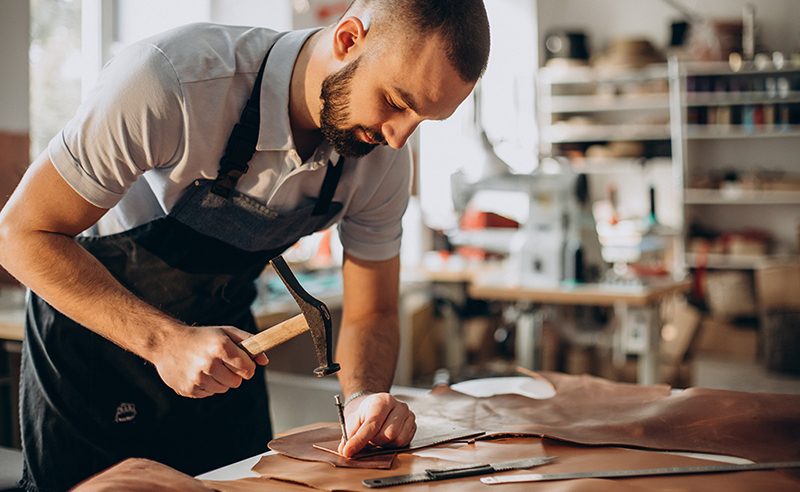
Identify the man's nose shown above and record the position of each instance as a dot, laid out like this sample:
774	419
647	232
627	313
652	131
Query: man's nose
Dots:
398	130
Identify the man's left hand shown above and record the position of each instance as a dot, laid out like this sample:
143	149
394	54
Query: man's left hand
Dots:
378	419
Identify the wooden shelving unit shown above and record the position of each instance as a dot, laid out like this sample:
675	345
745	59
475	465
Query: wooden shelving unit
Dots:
747	146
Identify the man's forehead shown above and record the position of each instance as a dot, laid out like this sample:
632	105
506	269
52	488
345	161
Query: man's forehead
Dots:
435	97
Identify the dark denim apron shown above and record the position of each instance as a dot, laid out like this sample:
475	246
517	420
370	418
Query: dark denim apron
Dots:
88	404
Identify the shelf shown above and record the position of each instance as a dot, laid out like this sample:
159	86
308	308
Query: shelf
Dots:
694	99
592	103
693	69
741	197
734	262
621	165
602	133
701	132
591	75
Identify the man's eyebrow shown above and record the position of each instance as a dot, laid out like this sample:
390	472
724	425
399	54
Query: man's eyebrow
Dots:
408	99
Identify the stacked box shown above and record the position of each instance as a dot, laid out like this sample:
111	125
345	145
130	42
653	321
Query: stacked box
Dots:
778	289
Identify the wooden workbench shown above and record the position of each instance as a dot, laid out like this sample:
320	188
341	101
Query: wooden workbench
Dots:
641	339
578	294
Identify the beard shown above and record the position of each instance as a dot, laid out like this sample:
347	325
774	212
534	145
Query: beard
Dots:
335	95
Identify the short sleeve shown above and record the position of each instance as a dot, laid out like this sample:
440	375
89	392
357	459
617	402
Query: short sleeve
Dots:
374	232
132	121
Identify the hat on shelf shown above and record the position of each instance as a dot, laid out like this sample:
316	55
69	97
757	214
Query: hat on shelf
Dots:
629	53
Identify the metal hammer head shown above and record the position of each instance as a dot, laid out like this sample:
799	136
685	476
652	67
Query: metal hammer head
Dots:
317	316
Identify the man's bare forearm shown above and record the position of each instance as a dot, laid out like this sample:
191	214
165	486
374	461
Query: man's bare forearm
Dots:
369	337
367	349
75	283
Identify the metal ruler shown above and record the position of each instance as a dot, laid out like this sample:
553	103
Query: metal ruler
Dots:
456	472
683	470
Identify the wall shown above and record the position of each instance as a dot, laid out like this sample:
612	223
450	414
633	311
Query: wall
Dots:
14	38
137	19
14	121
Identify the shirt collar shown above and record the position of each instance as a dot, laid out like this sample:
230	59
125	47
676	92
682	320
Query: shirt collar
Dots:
275	131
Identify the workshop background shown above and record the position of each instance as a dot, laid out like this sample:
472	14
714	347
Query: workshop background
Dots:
619	197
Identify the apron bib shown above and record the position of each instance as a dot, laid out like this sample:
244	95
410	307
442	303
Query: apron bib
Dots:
88	404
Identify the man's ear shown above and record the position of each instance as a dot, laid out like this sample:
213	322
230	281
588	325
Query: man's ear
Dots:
348	38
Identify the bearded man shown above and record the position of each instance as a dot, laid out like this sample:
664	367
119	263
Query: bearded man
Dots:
201	154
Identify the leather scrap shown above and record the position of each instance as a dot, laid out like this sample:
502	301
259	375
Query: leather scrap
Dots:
300	445
430	431
321	444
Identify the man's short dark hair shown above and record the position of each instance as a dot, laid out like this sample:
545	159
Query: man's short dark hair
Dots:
463	25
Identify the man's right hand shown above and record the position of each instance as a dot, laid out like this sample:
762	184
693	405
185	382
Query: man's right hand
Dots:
202	361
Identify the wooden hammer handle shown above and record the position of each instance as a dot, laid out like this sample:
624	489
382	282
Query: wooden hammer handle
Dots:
275	335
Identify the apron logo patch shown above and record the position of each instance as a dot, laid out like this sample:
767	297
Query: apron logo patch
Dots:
126	412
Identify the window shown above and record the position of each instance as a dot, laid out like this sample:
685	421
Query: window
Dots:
55	68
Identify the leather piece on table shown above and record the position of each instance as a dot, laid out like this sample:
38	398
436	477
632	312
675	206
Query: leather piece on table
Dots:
588	410
430	431
300	445
306	445
140	475
572	458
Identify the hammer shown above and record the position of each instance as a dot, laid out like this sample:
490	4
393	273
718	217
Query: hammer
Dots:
314	317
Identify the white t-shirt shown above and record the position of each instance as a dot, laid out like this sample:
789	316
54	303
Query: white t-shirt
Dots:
160	117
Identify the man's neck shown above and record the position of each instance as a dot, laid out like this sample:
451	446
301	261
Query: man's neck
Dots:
304	103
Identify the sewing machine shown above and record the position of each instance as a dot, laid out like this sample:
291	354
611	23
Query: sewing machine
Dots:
545	250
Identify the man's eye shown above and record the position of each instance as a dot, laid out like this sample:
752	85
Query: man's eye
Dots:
391	104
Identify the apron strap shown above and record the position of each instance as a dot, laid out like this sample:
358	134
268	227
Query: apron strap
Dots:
242	142
329	185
